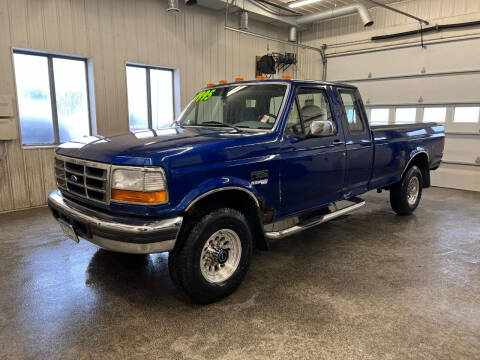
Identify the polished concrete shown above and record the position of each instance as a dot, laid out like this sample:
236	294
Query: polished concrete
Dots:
370	285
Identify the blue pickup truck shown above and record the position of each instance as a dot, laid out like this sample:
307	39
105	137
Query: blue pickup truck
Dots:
245	163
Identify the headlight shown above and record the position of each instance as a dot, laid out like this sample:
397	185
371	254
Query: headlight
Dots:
139	185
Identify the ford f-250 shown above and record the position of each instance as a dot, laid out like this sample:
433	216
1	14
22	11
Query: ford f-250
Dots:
245	163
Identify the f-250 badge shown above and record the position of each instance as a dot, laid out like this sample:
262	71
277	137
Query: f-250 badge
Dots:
259	177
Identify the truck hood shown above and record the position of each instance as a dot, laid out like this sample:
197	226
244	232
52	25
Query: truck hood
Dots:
179	147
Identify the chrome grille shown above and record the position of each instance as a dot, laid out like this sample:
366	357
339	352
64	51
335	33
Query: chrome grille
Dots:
83	178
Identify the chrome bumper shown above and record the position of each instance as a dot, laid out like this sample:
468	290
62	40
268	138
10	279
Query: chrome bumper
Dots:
116	233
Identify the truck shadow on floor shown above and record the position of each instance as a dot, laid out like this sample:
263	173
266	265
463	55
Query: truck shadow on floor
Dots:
145	280
141	279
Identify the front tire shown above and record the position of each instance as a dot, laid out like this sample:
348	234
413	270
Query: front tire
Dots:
213	257
406	194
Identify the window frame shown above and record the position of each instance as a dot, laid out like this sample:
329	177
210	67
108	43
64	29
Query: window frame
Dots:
425	107
458	106
296	103
53	98
357	109
370	109
451	127
402	107
149	90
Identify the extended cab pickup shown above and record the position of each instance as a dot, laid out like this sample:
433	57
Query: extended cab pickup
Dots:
245	163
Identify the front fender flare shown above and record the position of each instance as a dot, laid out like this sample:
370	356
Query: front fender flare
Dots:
215	185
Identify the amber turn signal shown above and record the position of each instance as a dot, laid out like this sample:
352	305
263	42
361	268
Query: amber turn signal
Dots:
150	197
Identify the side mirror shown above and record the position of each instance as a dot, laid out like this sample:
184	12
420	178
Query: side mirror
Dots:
322	128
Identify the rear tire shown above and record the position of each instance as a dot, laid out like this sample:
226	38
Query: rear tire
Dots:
213	256
406	194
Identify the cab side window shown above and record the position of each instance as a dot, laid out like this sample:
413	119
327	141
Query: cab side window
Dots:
311	104
354	119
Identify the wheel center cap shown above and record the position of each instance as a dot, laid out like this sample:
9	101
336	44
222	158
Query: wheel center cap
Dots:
222	256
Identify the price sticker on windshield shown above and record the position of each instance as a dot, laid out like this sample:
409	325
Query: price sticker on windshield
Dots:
204	95
264	119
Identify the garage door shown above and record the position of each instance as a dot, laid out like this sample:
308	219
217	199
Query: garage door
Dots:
439	83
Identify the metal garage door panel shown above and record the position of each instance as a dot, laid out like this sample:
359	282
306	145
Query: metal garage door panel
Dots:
457	177
428	90
446	56
463	149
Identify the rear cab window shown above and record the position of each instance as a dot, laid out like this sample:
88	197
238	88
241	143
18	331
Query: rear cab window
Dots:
353	114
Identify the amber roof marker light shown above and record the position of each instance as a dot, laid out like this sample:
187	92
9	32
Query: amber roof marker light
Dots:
239	79
287	77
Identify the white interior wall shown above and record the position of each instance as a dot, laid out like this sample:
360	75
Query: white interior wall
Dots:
110	33
400	72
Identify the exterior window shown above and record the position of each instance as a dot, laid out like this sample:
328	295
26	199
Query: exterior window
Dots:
354	119
150	97
466	114
405	115
311	104
434	114
379	116
52	94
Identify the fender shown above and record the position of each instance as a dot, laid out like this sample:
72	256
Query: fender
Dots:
215	185
413	155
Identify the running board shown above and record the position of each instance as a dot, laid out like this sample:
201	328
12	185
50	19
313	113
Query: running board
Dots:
357	204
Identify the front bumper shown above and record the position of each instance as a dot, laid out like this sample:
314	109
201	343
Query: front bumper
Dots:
116	233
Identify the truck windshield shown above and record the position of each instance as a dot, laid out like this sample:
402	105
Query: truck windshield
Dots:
240	106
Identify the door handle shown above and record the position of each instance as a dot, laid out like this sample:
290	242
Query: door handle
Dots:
338	142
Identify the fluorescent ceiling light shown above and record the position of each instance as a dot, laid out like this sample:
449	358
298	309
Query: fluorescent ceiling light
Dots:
301	3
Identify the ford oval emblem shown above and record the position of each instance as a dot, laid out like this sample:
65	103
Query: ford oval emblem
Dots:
74	178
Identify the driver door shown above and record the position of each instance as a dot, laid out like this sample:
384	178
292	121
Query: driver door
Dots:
313	168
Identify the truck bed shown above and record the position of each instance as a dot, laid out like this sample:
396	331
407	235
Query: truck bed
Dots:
395	145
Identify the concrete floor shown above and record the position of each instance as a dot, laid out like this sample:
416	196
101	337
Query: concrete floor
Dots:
371	285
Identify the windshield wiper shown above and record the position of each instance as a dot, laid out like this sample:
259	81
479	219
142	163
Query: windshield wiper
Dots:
216	123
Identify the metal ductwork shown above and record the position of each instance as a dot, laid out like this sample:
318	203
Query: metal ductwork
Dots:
243	20
300	21
360	9
292	34
172	6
